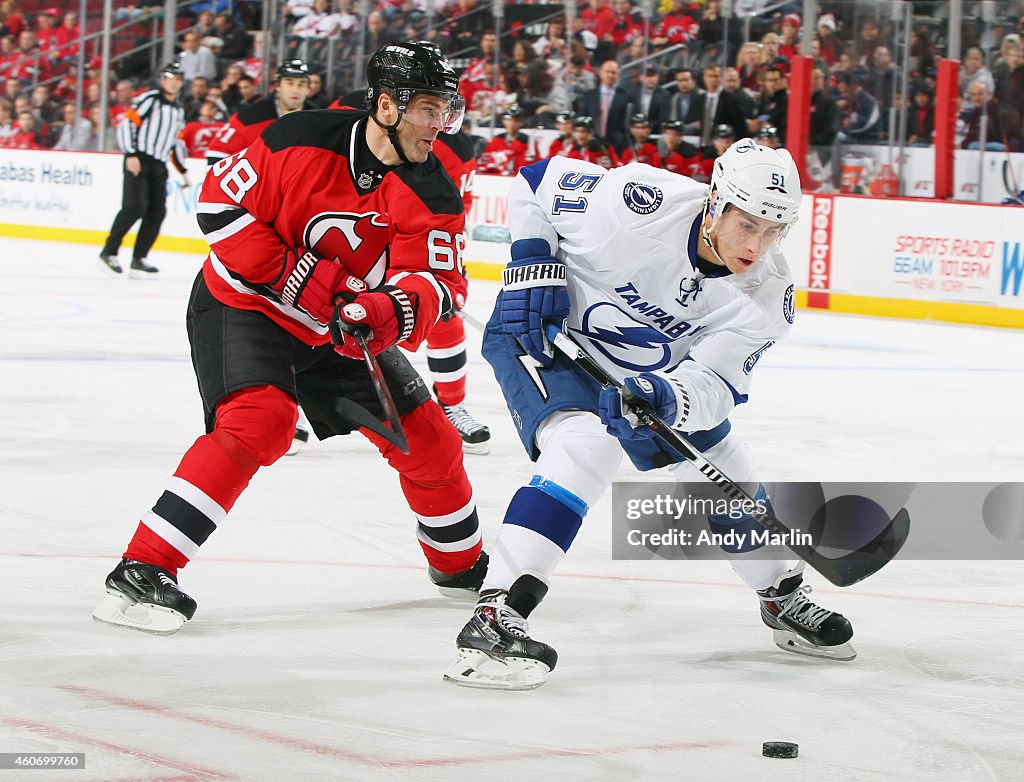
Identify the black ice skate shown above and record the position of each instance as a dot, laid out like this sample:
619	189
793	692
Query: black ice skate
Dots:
110	263
801	626
495	649
466	584
476	438
140	270
144	597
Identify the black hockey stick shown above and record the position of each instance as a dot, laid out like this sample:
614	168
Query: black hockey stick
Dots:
842	571
360	415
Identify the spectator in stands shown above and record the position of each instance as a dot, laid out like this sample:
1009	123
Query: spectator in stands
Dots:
197	91
1008	71
595	17
640	149
677	155
677	26
6	123
43	106
25	134
124	95
204	26
509	151
236	40
869	39
860	120
12	22
711	31
316	98
771	46
774	104
247	91
588	147
607	106
831	46
579	79
196	60
523	55
485	52
921	117
467	22
652	100
624	26
749	63
563	143
33	65
229	87
377	33
716	106
824	119
747	105
789	41
922	53
980	103
47	37
68	36
685	101
75	131
8	55
541	96
554	48
296	9
215	96
309	36
881	80
974	71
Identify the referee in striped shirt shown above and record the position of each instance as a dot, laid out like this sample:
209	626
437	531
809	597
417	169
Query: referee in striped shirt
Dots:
148	135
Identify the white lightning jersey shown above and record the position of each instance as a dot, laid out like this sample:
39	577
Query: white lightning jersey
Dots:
628	237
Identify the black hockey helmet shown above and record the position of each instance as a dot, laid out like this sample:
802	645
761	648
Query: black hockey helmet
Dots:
723	131
769	132
673	125
638	119
512	112
295	69
583	122
411	68
172	69
433	47
565	116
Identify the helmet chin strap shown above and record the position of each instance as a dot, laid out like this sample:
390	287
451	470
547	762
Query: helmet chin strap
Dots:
705	232
392	131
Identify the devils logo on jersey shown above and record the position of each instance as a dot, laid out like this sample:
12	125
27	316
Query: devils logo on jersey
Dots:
360	241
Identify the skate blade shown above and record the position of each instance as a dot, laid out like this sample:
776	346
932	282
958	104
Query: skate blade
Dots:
791	642
457	593
138	274
478	449
120	611
480	671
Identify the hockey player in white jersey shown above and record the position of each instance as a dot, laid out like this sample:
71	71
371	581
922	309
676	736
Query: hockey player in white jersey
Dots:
676	289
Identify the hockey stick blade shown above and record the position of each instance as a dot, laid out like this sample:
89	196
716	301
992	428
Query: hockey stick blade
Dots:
396	435
843	570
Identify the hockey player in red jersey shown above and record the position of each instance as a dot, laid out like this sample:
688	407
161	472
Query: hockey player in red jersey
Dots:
562	144
246	126
508	152
198	135
679	157
640	148
587	147
331	224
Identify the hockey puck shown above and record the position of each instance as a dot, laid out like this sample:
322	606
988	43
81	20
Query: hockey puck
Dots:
780	749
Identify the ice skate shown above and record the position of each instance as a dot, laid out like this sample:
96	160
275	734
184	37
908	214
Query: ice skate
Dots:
495	649
301	436
144	597
476	438
110	263
464	585
801	626
140	270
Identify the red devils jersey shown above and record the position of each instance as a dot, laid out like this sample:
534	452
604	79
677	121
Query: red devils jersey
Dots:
198	135
596	152
505	155
455	152
311	183
645	153
560	146
243	129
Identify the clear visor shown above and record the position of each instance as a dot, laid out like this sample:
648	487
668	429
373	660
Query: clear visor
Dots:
746	232
445	118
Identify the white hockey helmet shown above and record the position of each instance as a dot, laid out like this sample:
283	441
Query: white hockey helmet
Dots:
761	181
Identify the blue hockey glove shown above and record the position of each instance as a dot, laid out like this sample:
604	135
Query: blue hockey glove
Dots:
617	409
534	292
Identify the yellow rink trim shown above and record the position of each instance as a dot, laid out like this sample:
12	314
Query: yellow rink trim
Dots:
950	312
914	309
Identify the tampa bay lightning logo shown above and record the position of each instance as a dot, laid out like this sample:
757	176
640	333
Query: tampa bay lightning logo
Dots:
630	344
788	306
753	358
642	199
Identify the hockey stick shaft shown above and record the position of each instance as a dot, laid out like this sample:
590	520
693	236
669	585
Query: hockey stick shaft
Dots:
841	571
387	402
478	325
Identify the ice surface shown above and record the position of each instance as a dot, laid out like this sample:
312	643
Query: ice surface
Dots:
318	647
